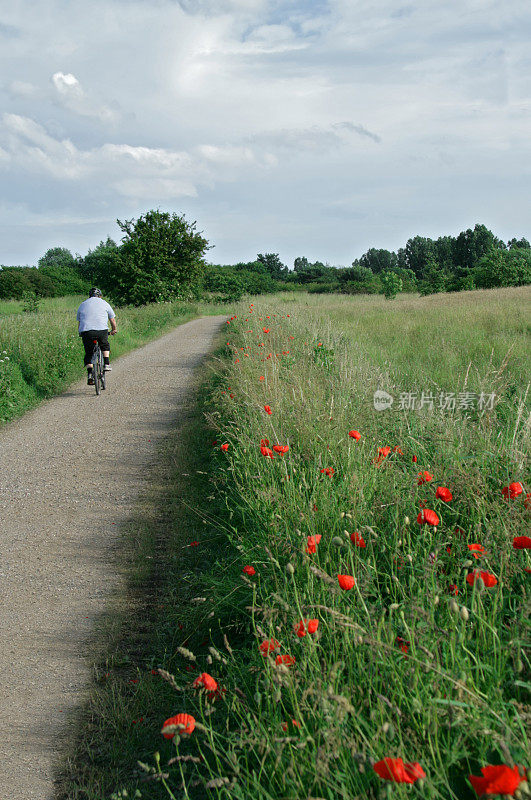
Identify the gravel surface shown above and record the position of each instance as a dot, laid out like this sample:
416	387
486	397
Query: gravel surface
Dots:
70	472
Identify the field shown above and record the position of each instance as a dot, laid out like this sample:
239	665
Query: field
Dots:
41	353
302	571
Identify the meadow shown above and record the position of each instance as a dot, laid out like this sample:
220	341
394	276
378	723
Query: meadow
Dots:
41	353
341	605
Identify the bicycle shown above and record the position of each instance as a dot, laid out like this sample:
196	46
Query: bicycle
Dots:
98	369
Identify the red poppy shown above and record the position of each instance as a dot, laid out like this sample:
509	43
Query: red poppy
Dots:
265	330
444	494
267	409
249	570
261	378
285	659
281	448
487	577
394	769
452	589
328	471
402	644
428	517
355	435
193	544
357	539
346	582
397	449
264	442
306	626
185	723
383	452
477	550
522	542
225	446
313	541
267	452
499	779
268	646
206	681
512	491
414	459
424	477
294	722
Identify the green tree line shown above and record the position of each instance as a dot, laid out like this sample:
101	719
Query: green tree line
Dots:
161	257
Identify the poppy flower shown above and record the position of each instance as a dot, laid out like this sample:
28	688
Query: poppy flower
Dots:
205	681
265	330
414	459
477	550
394	769
225	446
402	644
397	449
487	577
357	539
267	409
306	626
328	471
424	477
383	452
452	589
346	582
266	452
313	541
294	722
264	442
261	378
249	570
499	779
285	659
281	448
522	542
268	646
512	491
193	544
355	435
444	494
185	722
428	517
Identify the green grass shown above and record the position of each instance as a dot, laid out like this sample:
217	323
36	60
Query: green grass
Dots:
401	665
41	353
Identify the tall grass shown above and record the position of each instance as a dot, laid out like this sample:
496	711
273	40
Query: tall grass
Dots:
415	661
41	353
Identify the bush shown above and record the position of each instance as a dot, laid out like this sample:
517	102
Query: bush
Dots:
13	283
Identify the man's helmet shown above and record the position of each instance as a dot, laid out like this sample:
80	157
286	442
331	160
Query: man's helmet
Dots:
95	292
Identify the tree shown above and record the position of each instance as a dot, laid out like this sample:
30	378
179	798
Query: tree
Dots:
519	244
161	258
273	265
504	268
301	264
378	260
101	265
61	267
391	284
13	283
435	279
420	254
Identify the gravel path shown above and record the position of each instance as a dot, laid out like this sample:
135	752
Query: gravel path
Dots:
56	542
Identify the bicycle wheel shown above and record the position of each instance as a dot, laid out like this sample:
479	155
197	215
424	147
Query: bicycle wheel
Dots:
96	367
102	371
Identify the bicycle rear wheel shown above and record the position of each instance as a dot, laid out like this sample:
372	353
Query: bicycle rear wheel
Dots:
102	371
96	367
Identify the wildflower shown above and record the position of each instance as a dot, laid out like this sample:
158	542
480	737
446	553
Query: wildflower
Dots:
285	659
265	330
487	577
424	477
444	494
452	589
281	448
522	542
355	435
294	722
306	626
346	582
477	550
264	442
394	769
357	539
313	541
184	723
267	409
499	779
205	681
261	378
512	491
328	471
249	570
225	446
428	517
397	449
383	452
267	452
414	459
402	644
268	646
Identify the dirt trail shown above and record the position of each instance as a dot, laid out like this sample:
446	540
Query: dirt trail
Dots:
70	472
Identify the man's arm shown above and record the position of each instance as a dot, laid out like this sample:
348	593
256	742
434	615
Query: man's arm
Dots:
113	325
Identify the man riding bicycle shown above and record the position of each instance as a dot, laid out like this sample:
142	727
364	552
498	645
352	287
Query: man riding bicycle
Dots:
92	316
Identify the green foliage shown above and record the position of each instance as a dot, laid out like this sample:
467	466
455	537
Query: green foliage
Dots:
273	265
31	302
379	260
14	282
391	284
504	268
161	259
61	268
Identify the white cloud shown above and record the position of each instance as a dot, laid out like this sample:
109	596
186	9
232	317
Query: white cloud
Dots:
71	94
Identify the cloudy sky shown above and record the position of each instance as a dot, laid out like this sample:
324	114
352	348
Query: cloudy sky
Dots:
303	127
